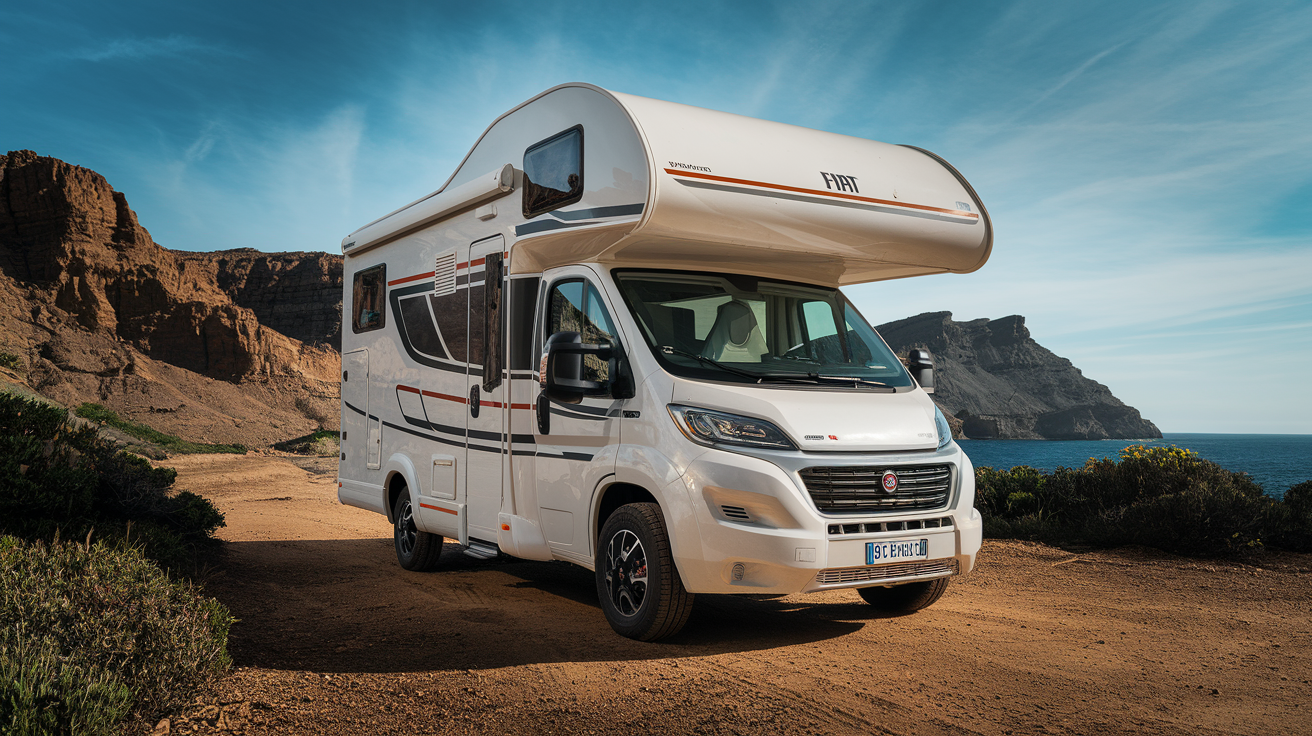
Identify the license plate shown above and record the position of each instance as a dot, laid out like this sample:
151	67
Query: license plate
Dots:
896	550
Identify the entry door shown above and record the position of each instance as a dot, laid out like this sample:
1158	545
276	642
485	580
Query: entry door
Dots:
576	433
486	389
355	410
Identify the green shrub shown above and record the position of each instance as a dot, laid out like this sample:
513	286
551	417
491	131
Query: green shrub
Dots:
172	443
11	361
58	476
1291	522
1163	497
89	634
44	692
324	443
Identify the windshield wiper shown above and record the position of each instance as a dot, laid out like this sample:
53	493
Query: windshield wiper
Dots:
703	359
763	377
849	379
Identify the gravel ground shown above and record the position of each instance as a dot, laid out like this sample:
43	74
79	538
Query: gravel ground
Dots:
335	638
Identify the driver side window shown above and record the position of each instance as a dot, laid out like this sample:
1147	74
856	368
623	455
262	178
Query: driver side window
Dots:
576	306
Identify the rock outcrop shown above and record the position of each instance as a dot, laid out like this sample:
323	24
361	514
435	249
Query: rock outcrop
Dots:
296	294
99	312
1000	383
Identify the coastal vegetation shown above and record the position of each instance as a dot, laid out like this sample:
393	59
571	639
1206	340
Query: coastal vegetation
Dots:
322	443
1163	497
171	443
97	621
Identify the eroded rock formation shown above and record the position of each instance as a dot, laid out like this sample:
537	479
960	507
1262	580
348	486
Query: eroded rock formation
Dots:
99	312
1000	383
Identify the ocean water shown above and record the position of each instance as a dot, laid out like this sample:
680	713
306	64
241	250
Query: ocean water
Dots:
1276	461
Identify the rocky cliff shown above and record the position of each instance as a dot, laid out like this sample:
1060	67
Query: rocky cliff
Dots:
236	346
1000	383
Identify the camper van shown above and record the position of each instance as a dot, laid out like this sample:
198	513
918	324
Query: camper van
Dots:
615	337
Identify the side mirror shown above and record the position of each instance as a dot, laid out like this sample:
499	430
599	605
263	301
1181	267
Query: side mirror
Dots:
921	365
560	374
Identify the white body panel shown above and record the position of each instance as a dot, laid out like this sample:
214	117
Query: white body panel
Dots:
663	186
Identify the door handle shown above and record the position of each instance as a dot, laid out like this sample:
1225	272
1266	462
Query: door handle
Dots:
473	401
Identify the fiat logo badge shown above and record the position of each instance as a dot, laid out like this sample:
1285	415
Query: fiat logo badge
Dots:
890	481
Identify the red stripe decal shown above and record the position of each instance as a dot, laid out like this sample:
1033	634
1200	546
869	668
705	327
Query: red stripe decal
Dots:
429	275
459	399
439	508
822	193
408	279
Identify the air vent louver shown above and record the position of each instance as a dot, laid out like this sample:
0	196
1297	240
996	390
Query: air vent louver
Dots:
444	274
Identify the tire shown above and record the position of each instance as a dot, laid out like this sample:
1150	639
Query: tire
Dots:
415	550
654	606
905	598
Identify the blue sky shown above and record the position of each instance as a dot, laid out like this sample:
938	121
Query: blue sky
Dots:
1148	166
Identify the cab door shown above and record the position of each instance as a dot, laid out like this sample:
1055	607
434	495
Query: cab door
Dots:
485	388
575	441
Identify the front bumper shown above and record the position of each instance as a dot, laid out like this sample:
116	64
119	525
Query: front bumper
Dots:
754	529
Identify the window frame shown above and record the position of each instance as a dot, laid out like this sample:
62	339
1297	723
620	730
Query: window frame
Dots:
381	268
530	214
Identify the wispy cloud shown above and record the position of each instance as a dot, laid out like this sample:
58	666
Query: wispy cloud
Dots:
134	49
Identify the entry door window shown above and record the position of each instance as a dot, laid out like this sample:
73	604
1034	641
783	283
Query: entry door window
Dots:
577	307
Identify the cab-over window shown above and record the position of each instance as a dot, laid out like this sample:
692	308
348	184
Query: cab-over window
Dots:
553	172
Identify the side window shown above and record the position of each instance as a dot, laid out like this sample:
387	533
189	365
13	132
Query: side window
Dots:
367	295
553	172
577	307
523	302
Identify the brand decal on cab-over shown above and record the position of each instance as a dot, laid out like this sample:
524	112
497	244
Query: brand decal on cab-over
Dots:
690	167
841	182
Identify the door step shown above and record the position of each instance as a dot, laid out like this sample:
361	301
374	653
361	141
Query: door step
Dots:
481	550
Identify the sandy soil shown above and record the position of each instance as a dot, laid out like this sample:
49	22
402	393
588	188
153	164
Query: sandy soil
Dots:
335	638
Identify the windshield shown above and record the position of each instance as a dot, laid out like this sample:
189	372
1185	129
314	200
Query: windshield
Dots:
735	328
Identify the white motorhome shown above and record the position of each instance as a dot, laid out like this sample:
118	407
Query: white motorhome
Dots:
615	337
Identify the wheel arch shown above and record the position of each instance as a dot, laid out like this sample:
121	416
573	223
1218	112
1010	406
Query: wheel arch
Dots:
400	475
614	495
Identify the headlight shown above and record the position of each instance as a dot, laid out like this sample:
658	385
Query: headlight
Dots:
944	431
718	428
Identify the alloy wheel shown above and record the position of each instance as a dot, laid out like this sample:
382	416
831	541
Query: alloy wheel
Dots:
406	531
626	572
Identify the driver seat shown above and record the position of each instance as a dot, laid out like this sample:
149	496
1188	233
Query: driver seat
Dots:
735	337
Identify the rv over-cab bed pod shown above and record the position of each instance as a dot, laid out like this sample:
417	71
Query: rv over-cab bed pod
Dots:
671	185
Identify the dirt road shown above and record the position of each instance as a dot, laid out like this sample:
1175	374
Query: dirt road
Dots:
335	638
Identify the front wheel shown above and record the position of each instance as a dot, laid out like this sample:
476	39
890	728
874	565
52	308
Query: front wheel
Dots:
905	598
640	589
416	550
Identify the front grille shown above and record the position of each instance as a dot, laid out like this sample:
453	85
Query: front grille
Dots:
926	569
860	489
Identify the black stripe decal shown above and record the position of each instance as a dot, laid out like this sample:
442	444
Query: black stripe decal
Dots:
477	434
594	213
395	298
571	415
522	453
600	411
578	218
542	226
353	408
